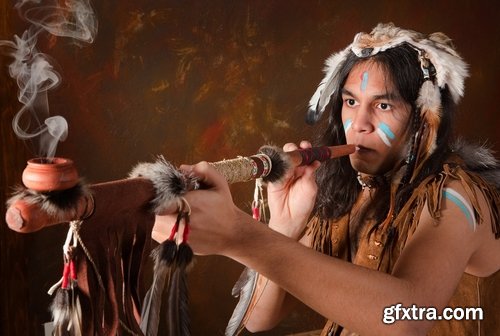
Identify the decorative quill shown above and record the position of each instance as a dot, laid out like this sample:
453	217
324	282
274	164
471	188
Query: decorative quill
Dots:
244	288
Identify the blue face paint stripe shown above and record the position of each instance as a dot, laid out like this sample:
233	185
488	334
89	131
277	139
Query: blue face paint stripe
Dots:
347	125
364	81
387	130
455	197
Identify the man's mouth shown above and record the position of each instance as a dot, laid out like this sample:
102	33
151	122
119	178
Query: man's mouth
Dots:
361	149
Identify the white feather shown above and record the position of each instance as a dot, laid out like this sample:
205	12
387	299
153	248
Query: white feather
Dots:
244	288
327	86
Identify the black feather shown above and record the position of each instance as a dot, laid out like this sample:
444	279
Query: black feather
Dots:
178	308
164	257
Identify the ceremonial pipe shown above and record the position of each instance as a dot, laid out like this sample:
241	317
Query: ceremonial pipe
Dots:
304	157
271	163
28	210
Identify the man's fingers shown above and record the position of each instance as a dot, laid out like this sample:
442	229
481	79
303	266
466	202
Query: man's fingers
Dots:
305	144
310	170
288	147
206	175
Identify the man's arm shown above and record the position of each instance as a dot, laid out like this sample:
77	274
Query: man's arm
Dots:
426	274
272	303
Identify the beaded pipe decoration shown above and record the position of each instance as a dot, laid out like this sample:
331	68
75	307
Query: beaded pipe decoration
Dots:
271	163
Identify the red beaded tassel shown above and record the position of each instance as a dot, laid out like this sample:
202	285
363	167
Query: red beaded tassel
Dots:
66	306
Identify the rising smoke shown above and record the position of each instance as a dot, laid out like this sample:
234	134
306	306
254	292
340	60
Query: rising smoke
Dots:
33	70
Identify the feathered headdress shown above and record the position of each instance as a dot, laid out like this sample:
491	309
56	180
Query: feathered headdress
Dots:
441	67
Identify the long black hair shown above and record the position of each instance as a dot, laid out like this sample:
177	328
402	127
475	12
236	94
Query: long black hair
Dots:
337	180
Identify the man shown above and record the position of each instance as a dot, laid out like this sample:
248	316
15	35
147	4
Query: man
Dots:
404	228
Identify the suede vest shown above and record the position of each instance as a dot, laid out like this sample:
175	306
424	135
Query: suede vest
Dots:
380	249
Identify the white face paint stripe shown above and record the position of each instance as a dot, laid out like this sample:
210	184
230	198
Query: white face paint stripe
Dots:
462	204
384	137
384	132
347	125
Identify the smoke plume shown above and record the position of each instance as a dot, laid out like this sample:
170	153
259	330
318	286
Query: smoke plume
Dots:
34	72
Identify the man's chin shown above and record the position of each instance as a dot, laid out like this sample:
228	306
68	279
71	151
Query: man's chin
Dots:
367	168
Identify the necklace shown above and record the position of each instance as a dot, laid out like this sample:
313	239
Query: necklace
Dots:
369	181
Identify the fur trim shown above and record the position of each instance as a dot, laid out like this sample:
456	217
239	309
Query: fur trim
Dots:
169	183
479	159
451	70
279	161
55	203
429	98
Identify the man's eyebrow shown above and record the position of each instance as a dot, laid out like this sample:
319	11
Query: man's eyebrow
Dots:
386	96
344	91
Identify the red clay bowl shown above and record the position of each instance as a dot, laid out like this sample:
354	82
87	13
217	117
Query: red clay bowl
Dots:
44	175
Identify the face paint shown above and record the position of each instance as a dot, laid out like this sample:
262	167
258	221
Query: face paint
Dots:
385	133
347	125
462	204
364	81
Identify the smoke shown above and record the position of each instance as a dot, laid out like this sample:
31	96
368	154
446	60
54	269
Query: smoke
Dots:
33	70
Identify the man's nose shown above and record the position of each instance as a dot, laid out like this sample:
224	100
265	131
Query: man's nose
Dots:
362	121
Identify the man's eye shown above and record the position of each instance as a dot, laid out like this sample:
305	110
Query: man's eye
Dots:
384	106
350	102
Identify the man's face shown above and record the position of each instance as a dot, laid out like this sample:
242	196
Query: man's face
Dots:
375	118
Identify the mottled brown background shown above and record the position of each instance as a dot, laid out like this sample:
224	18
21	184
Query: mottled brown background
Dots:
205	80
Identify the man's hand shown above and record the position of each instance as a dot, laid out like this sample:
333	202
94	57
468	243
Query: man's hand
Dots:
292	199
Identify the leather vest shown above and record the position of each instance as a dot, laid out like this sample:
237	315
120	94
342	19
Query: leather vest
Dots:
380	248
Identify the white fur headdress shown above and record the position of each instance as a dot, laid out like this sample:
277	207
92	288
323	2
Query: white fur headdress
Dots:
441	66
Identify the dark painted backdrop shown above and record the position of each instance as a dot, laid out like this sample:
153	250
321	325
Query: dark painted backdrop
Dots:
205	80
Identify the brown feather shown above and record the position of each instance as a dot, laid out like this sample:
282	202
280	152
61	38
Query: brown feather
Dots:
429	102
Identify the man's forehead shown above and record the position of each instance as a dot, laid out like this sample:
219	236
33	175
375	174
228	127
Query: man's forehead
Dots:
372	77
382	94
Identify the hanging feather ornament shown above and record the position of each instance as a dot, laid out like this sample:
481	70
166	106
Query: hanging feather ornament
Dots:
173	257
66	306
429	104
164	258
244	288
246	285
177	307
172	261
